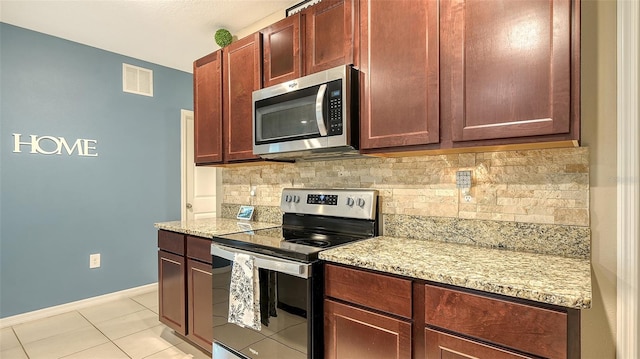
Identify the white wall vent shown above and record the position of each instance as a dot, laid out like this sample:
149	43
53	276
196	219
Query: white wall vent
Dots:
137	80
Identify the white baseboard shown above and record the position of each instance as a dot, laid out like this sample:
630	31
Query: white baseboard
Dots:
80	304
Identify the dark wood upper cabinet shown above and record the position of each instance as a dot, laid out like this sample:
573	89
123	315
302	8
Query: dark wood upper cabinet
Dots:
281	51
207	104
508	68
330	35
242	75
434	75
399	79
320	37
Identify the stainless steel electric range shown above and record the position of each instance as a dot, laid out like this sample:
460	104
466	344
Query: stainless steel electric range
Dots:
290	277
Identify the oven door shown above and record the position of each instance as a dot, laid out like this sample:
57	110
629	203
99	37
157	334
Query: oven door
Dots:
293	325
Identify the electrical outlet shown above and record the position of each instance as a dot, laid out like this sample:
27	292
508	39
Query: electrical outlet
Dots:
94	260
463	179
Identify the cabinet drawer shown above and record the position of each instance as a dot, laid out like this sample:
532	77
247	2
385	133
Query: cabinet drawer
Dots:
171	242
199	248
376	291
443	345
530	329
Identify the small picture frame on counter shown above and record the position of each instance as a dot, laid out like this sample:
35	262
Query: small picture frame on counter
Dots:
245	212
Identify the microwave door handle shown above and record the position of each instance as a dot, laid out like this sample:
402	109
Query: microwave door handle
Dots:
322	128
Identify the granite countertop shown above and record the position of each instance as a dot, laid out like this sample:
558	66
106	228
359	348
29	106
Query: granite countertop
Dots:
210	227
543	278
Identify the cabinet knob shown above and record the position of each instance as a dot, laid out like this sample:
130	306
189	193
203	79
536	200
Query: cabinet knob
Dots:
189	206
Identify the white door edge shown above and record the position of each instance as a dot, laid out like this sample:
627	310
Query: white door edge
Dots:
184	142
628	188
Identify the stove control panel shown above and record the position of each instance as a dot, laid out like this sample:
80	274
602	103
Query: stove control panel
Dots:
347	203
328	199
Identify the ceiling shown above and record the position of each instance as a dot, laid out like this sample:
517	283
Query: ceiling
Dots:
171	33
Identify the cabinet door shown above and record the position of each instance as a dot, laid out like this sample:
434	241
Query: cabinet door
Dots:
281	51
350	332
207	104
242	76
506	68
399	73
172	291
200	303
329	35
446	346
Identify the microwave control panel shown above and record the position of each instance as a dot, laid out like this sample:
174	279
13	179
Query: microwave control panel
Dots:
334	89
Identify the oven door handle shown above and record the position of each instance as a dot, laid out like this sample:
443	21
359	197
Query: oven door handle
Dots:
297	269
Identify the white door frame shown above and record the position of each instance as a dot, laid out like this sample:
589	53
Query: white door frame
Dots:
628	188
200	186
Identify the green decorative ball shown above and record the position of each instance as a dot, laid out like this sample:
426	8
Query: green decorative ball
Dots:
223	37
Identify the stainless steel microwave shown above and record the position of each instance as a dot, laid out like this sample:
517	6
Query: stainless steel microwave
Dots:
313	117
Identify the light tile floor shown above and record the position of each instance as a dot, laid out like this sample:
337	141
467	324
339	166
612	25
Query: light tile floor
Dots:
123	328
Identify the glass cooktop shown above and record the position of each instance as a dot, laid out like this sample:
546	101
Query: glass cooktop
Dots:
282	242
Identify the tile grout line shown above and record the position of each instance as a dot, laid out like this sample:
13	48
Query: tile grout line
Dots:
94	324
24	350
113	340
109	339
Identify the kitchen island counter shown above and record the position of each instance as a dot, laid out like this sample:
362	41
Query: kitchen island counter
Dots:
210	227
542	278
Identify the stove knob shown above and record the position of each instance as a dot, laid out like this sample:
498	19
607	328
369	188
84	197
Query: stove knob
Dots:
296	198
287	198
360	202
350	202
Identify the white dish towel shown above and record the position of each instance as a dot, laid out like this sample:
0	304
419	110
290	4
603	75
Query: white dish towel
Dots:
244	293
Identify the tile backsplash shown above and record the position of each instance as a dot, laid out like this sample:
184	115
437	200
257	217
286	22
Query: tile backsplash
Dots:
546	186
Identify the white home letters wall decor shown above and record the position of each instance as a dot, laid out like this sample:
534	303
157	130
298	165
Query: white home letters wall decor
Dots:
51	145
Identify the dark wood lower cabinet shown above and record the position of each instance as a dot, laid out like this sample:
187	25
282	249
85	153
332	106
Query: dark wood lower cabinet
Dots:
441	345
171	291
353	333
539	331
363	319
200	299
185	286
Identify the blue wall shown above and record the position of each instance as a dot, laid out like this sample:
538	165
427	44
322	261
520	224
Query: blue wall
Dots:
55	210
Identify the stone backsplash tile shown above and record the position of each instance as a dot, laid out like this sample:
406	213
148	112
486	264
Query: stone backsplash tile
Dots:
547	186
266	214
